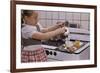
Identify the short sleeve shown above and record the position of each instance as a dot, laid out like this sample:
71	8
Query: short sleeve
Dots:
40	26
28	31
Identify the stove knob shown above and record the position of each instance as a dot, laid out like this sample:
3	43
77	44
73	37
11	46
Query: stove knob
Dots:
55	53
50	52
47	52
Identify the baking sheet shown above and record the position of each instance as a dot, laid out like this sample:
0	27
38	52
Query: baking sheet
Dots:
82	48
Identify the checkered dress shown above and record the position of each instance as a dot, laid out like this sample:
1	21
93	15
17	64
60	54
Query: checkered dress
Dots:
38	55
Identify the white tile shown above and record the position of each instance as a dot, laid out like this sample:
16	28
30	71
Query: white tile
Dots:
42	14
70	21
61	20
49	23
49	15
84	25
76	22
69	16
85	16
76	16
55	15
62	15
55	22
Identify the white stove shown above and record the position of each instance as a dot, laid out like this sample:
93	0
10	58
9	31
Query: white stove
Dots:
82	54
57	55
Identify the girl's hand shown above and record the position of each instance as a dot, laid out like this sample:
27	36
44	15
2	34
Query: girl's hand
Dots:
60	24
61	30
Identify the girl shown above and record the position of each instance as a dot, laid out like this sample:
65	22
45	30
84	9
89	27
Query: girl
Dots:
34	31
30	19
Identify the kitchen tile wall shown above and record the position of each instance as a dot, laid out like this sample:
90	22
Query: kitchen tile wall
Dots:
48	18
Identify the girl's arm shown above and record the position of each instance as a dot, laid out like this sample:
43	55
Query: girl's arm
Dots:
48	35
52	28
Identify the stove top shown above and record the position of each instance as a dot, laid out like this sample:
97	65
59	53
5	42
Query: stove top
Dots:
54	53
53	42
56	45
